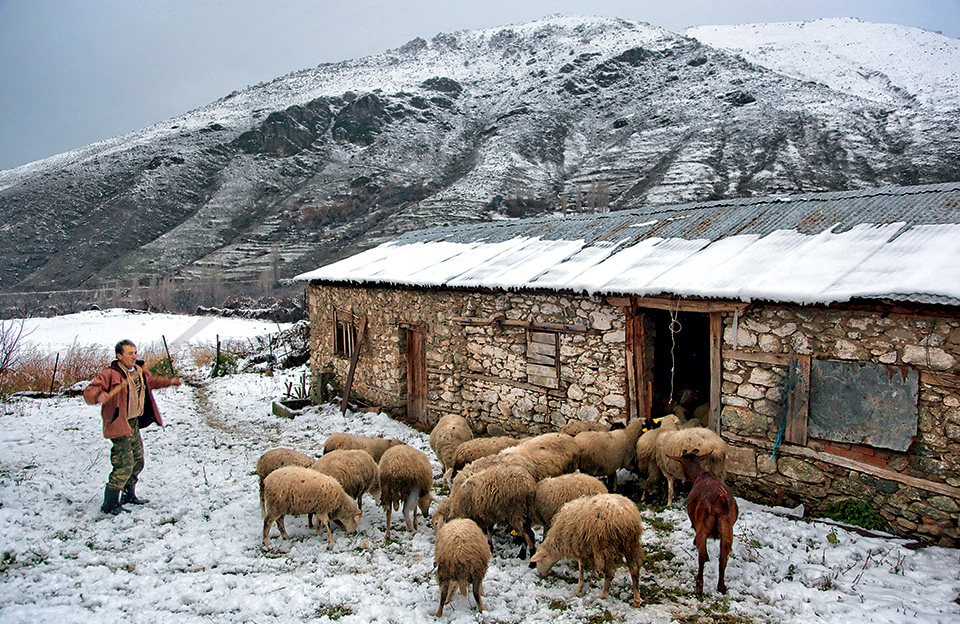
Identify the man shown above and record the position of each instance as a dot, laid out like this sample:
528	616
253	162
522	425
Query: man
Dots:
124	390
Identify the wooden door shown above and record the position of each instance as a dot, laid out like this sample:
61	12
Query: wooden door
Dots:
639	390
417	374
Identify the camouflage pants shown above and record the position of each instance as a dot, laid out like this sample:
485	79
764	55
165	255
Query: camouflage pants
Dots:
126	457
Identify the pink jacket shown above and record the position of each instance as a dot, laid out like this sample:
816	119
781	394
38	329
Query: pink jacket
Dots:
114	410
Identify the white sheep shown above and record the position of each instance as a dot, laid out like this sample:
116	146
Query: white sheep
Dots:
546	455
579	426
499	496
294	490
461	556
646	458
603	453
405	478
354	469
450	431
674	442
554	492
278	458
598	531
474	449
375	445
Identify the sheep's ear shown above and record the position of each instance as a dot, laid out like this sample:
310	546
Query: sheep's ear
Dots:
657	420
536	557
675	457
358	514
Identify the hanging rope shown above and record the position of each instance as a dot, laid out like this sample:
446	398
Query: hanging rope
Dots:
675	328
788	385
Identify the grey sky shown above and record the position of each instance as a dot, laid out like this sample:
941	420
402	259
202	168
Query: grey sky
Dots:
73	72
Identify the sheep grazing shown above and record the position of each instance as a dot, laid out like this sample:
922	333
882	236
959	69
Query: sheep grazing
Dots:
598	531
375	445
554	492
501	495
354	469
461	557
451	431
474	449
405	478
278	458
294	490
603	453
674	442
712	510
573	428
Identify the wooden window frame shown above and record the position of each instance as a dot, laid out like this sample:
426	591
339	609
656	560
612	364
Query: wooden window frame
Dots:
543	359
344	333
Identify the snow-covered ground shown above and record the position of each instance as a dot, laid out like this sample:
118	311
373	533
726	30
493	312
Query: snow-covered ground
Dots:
193	554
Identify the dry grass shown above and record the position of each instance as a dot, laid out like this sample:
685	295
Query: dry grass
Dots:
39	371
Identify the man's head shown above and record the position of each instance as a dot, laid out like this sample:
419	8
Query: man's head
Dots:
126	353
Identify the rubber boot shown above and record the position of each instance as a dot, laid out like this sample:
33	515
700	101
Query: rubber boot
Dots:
129	496
111	502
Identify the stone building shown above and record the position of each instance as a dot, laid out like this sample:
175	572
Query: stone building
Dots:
820	333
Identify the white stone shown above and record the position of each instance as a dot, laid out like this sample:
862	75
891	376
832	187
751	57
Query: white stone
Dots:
769	343
615	400
764	377
888	358
933	357
846	350
614	337
600	321
785	330
574	392
749	391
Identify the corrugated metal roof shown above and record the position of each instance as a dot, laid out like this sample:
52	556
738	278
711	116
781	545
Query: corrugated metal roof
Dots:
893	242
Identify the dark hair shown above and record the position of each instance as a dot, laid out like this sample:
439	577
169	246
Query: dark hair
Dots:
123	343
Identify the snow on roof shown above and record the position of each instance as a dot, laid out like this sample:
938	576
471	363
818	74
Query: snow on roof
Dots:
898	243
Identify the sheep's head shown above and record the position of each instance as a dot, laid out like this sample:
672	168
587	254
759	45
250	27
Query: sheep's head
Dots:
349	521
544	560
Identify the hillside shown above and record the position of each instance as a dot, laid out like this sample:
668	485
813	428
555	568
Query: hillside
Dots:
562	114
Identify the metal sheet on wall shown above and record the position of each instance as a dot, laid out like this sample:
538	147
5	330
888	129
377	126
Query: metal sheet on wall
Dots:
863	403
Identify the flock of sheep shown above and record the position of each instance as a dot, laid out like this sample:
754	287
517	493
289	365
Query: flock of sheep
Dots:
551	480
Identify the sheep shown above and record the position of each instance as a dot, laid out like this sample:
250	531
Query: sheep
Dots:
405	477
578	426
554	492
474	449
673	442
354	469
461	556
712	510
278	458
294	490
501	495
603	453
600	531
447	435
375	445
546	455
645	458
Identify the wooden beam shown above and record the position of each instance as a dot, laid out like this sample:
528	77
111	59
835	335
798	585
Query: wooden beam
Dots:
716	370
516	384
689	305
851	464
777	359
945	380
798	402
354	358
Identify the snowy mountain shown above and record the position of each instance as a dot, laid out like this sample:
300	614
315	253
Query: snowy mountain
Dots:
562	114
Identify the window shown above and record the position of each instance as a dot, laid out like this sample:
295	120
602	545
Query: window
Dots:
345	334
543	359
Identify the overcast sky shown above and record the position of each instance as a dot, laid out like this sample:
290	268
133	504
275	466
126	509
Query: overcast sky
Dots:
73	72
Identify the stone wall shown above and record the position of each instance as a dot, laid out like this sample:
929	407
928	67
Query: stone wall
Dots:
479	370
917	491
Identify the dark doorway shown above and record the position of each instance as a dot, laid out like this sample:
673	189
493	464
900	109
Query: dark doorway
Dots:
681	360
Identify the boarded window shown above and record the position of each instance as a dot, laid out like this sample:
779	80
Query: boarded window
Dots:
543	359
863	403
345	334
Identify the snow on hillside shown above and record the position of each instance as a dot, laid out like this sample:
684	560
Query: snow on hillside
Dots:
193	553
883	62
